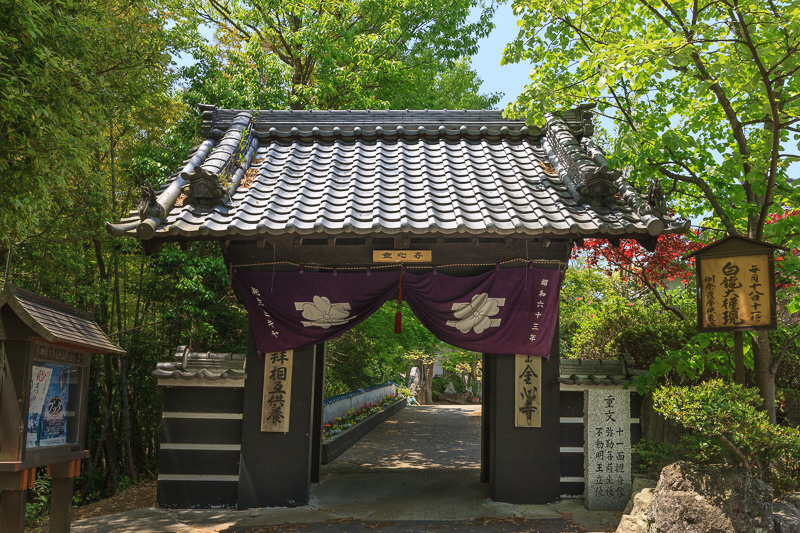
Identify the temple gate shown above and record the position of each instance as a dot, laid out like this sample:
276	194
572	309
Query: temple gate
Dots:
323	216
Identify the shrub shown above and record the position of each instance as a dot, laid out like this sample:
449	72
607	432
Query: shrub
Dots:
727	414
440	383
653	456
609	327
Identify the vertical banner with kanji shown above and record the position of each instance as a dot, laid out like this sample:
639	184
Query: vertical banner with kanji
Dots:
277	395
528	386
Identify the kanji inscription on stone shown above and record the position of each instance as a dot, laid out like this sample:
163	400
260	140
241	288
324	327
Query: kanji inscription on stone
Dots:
277	394
528	387
607	466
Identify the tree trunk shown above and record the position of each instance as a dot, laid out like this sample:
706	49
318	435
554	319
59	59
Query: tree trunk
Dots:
109	442
765	377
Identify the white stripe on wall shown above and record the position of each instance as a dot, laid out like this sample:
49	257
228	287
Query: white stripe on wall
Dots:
571	480
570	449
196	477
209	447
213	416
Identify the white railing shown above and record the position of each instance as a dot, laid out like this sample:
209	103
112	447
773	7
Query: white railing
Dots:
338	406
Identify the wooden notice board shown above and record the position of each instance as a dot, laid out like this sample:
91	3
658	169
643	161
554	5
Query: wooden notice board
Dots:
528	386
277	397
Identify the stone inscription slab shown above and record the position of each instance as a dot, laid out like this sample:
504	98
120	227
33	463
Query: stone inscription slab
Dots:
277	396
528	387
607	469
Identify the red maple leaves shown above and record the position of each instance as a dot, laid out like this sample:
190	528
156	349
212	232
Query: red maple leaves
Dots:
635	263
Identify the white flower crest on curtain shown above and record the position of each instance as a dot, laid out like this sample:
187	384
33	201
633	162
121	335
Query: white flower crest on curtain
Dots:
476	314
323	314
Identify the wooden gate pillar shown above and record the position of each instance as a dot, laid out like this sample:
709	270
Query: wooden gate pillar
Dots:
275	468
523	462
318	407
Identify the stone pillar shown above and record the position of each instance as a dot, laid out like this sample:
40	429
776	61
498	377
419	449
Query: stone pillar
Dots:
275	468
607	470
523	461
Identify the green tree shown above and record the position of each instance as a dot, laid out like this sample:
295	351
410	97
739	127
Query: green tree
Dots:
704	98
64	67
338	54
372	353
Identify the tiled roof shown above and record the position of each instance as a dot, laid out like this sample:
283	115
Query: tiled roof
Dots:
598	372
389	172
207	366
57	322
204	366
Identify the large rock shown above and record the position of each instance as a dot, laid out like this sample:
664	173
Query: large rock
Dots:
793	498
786	517
709	499
635	518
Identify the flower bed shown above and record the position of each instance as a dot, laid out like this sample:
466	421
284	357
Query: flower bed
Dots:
341	433
335	426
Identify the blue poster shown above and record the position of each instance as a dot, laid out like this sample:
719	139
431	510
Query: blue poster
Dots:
53	425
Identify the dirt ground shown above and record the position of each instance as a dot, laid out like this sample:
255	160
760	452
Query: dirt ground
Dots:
135	497
481	525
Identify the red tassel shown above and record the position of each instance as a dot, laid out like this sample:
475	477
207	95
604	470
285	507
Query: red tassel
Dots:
398	322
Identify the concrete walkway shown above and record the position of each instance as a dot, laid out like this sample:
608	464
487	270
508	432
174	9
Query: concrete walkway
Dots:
418	471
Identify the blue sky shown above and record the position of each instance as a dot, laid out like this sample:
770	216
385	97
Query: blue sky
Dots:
507	79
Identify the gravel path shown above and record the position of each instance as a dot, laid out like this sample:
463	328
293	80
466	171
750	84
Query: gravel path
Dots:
418	437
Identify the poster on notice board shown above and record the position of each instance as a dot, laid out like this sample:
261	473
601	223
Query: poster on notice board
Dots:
47	415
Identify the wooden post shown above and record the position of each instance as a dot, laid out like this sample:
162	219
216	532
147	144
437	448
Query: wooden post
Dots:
738	353
15	487
12	511
62	475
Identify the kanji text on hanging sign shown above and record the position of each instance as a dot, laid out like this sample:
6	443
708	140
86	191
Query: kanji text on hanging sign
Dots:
402	256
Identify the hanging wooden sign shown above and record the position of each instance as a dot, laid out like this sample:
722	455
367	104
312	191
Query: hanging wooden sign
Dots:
402	256
736	285
277	396
528	387
736	292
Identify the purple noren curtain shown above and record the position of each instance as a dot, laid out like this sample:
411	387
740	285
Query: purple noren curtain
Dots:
512	310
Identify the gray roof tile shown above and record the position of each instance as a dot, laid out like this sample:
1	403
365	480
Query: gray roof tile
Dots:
404	171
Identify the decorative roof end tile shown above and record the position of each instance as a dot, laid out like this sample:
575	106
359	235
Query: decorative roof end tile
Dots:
148	205
203	189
